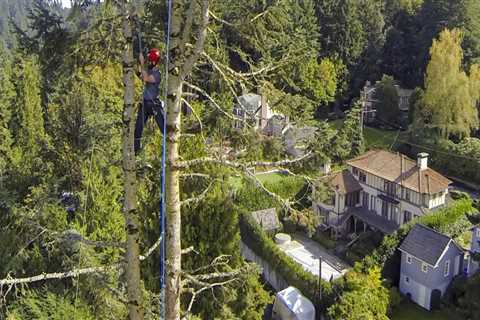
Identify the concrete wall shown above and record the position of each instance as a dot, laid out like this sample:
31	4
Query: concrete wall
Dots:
269	273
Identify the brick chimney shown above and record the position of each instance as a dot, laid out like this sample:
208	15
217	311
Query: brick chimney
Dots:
422	160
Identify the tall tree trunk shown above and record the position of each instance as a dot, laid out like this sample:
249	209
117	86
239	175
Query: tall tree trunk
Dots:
173	217
132	272
180	66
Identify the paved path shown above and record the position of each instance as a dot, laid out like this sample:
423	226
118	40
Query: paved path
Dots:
320	251
307	253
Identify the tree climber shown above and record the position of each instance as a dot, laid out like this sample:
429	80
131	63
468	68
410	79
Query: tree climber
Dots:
151	104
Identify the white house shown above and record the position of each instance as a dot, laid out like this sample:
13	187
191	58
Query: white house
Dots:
381	190
253	108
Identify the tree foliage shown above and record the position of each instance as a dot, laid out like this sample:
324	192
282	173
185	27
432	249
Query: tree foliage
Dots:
450	106
387	96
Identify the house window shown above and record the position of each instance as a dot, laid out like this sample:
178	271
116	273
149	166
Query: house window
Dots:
407	216
407	280
372	203
409	259
424	267
362	177
478	232
407	194
355	171
425	199
446	270
389	187
365	200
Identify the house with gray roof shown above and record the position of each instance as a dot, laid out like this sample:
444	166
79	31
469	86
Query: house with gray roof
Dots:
430	260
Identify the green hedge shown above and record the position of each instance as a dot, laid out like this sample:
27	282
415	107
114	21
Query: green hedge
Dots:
445	220
258	241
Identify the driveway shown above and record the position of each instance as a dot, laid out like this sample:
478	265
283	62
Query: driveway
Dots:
307	253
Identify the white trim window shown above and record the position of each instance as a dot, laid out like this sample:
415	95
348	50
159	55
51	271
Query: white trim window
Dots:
409	259
407	280
424	267
446	269
478	232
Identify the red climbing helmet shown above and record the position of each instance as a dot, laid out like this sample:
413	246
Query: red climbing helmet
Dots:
154	55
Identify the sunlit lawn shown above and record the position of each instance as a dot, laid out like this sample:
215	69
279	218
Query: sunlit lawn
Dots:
411	311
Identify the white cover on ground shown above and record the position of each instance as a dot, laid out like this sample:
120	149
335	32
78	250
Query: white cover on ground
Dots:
310	263
290	304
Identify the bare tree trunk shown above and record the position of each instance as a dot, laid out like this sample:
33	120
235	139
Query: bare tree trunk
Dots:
132	272
173	217
179	67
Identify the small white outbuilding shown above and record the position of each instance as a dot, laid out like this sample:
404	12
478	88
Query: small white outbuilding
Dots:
290	304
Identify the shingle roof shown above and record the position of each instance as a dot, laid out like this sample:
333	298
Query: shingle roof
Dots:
250	102
389	166
267	219
344	182
425	244
372	219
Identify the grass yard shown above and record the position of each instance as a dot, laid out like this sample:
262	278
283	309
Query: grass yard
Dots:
410	311
377	138
374	137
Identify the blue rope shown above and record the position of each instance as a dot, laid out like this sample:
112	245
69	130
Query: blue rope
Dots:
164	152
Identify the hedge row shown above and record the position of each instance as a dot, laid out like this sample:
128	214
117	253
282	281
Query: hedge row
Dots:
258	241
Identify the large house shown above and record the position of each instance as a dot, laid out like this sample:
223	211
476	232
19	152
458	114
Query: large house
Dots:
430	260
369	101
253	109
380	190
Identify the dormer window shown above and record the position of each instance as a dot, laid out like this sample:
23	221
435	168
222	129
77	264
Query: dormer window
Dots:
409	259
424	267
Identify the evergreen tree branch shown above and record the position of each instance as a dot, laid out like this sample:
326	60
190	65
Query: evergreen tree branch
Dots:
199	197
74	272
239	165
214	103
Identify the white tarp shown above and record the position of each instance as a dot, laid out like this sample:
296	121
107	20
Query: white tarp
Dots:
290	304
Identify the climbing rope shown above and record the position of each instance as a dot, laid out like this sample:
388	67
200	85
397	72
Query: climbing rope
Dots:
162	203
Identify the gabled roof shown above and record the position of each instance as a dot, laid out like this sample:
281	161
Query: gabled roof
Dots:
251	102
426	244
344	182
267	219
400	169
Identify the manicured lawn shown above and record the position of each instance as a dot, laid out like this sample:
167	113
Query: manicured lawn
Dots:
377	138
374	137
410	311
